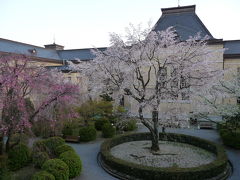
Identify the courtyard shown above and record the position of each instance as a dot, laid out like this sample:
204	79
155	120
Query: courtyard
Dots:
93	171
161	101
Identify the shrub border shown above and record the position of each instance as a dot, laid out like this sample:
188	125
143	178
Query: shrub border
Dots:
218	169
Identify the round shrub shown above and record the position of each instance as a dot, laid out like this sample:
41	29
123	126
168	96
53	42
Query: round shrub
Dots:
43	175
40	146
18	156
108	130
73	161
57	168
63	148
68	128
87	133
53	142
100	122
39	159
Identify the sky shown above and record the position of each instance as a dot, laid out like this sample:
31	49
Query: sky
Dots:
79	24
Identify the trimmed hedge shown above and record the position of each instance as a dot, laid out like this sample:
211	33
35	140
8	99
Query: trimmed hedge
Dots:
43	175
39	159
73	161
172	173
53	142
87	133
230	139
108	130
63	148
18	157
57	168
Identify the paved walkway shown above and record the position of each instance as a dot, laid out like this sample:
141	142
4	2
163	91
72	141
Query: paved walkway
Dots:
92	171
88	154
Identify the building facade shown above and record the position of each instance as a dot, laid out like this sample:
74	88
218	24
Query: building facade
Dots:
183	19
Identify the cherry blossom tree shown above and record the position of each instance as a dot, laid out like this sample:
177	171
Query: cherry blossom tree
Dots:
21	78
221	99
152	68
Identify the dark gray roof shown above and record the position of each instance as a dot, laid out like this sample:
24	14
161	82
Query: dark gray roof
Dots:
184	20
232	47
65	68
73	54
26	49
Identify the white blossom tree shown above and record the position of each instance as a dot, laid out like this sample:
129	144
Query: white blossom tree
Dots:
221	99
151	68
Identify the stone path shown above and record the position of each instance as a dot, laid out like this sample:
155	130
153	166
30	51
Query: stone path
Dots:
88	154
92	171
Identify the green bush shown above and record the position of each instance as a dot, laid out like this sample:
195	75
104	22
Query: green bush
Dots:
130	125
69	128
73	161
100	122
43	175
4	173
230	139
19	138
41	128
57	168
108	130
88	133
40	146
91	109
39	159
19	156
63	148
53	142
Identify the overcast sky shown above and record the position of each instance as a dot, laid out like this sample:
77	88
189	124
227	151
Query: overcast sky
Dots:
87	23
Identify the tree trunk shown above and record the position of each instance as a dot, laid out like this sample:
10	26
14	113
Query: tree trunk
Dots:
155	133
153	130
8	143
1	144
163	129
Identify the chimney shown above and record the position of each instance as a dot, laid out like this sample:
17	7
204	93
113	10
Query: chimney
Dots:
54	46
180	9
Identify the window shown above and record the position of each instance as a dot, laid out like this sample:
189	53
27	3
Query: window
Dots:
163	81
185	87
79	79
121	103
163	77
174	81
238	100
238	76
174	84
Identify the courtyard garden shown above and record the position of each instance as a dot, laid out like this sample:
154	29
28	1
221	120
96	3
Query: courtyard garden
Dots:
149	83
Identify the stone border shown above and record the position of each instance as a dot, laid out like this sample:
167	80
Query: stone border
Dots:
219	169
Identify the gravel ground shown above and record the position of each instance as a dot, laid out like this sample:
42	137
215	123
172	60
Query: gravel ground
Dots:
171	154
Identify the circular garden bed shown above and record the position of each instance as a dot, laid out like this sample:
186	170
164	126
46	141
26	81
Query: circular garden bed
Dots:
217	169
